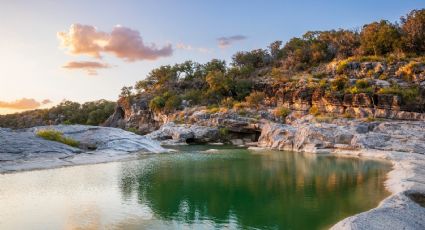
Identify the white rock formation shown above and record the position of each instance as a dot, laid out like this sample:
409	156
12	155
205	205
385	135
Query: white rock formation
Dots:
24	150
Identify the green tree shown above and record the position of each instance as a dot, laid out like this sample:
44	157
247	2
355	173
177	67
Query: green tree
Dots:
379	38
413	26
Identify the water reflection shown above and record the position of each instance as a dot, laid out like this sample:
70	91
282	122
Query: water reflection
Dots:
260	190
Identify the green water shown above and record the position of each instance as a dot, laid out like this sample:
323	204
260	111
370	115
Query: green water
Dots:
194	189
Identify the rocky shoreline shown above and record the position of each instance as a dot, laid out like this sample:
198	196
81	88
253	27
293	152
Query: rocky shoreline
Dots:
400	142
22	150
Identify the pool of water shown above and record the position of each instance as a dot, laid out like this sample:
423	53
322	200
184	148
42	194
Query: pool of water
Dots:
195	189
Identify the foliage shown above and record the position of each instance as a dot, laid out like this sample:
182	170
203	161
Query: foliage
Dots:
407	94
53	135
255	98
314	110
361	86
228	102
413	26
281	112
223	132
339	83
379	38
157	103
126	92
410	69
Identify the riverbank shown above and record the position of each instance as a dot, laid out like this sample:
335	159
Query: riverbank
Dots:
23	150
400	142
405	208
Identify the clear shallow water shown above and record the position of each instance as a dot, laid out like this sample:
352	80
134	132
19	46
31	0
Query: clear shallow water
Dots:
193	189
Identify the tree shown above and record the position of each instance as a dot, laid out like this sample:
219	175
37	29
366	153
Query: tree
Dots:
413	26
157	103
275	50
126	92
379	38
255	98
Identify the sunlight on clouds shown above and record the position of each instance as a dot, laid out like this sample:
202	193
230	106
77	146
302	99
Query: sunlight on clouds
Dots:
89	66
23	104
122	42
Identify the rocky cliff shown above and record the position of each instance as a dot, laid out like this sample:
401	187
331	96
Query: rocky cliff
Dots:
388	93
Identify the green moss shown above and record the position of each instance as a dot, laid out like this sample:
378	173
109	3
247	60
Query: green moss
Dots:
223	132
132	129
53	135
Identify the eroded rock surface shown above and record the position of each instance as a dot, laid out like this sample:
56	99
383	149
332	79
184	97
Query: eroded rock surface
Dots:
24	150
398	136
172	133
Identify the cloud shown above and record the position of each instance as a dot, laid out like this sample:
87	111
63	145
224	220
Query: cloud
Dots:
24	103
225	42
123	42
90	67
46	101
183	46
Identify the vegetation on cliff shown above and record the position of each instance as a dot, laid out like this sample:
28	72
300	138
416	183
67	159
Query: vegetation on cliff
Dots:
332	60
382	65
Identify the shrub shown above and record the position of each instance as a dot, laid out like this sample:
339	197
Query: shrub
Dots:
212	109
361	86
409	70
314	110
281	112
157	103
194	96
53	135
132	129
323	83
407	94
223	133
255	98
342	66
172	103
339	83
228	102
324	118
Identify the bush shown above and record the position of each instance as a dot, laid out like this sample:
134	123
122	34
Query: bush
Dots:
339	83
223	133
410	69
172	103
255	98
53	135
157	103
342	66
228	102
281	112
407	94
361	86
314	110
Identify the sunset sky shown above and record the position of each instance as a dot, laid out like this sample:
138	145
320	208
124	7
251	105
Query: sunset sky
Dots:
84	50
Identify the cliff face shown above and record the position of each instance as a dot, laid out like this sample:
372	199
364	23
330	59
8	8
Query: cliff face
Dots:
134	114
303	94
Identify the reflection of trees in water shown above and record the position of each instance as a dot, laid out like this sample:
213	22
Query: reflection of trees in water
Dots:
267	189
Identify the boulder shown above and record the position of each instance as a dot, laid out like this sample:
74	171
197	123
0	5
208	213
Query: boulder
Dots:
171	133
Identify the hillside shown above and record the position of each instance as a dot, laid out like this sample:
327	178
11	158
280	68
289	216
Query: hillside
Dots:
375	73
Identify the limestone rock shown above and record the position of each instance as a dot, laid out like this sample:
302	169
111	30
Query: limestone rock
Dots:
185	134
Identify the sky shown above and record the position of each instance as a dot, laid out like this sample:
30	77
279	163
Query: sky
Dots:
85	50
